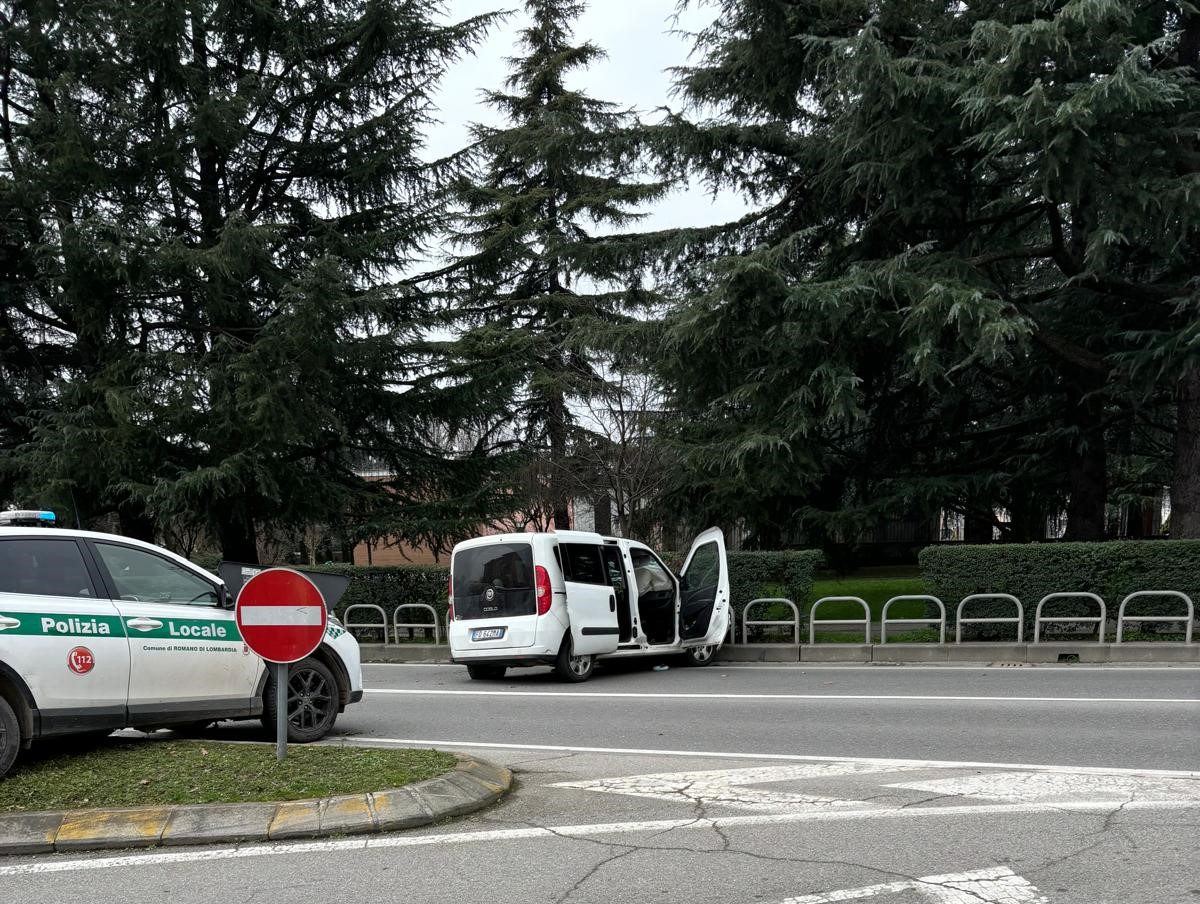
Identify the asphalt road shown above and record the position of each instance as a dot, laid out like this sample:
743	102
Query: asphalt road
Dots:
746	785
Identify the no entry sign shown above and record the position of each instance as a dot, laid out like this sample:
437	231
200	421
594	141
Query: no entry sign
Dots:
281	615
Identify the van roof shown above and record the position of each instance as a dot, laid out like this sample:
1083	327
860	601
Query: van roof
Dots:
567	536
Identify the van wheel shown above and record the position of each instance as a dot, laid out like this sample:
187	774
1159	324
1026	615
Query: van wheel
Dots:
701	656
10	736
573	668
312	701
486	672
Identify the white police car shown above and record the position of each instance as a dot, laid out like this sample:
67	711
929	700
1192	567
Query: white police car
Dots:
100	632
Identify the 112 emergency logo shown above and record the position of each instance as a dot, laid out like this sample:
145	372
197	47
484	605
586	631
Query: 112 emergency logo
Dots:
80	660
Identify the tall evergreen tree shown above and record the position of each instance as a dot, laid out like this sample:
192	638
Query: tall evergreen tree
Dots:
215	198
541	277
964	216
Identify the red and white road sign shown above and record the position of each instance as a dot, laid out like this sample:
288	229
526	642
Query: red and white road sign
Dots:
281	615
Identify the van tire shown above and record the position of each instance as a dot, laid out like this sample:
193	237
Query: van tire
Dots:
573	668
10	736
312	722
699	657
481	672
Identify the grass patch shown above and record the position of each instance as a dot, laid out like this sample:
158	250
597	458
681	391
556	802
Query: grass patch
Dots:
133	774
874	590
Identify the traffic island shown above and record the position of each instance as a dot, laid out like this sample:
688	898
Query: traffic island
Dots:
467	785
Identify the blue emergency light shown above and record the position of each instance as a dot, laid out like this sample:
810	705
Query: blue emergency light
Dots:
27	519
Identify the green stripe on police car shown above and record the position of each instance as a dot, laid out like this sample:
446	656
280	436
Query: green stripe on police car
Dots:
57	624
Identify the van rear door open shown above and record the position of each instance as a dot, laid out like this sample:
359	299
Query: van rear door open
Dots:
591	600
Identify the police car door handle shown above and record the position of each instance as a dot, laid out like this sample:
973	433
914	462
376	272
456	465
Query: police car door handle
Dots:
144	624
612	603
6	623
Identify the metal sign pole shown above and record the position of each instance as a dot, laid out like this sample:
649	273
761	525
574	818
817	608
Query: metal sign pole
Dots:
281	710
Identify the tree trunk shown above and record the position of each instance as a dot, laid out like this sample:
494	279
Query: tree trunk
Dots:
559	494
239	541
1185	483
977	528
1088	474
137	524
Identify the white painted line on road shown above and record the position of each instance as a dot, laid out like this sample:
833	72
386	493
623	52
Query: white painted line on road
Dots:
983	886
1043	787
728	787
387	842
904	698
785	757
1028	668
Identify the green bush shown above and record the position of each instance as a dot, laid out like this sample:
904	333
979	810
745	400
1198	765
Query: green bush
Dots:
758	574
390	586
1031	571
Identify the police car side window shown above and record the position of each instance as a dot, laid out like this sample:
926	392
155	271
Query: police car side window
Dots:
142	576
43	568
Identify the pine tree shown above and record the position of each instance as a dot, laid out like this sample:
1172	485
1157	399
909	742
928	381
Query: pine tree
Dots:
218	197
541	279
964	216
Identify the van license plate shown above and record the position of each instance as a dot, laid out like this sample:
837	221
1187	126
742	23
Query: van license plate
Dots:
487	633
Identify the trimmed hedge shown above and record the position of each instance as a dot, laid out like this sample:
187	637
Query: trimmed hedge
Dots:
1031	571
389	586
751	575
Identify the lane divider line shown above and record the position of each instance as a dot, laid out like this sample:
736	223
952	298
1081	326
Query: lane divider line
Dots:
904	698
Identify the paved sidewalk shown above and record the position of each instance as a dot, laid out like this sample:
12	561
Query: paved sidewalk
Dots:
472	785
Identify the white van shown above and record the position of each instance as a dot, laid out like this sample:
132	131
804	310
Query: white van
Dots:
565	598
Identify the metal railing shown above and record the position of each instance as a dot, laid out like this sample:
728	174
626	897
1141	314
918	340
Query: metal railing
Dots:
1098	621
865	621
884	621
1122	618
380	625
424	607
959	621
794	623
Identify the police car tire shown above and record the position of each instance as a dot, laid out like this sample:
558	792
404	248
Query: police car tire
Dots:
10	736
295	734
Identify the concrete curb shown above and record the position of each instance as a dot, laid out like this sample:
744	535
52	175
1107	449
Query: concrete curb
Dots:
472	785
976	652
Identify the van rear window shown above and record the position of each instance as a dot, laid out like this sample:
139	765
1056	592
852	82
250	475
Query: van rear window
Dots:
494	581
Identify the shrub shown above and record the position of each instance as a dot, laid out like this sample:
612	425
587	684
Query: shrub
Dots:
1031	571
389	586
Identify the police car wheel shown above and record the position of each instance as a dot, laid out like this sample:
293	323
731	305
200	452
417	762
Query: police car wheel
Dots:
10	736
312	701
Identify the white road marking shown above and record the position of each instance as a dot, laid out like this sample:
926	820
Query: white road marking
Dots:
1040	667
1042	787
903	698
387	842
983	886
727	787
786	757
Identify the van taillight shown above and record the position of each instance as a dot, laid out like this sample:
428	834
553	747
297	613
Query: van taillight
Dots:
450	598
544	593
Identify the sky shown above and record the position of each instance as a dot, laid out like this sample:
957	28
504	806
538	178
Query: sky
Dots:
639	37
